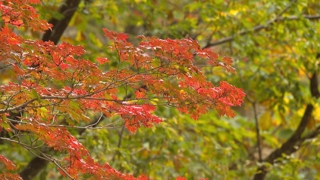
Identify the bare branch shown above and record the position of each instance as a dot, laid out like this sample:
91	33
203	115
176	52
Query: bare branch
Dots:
257	130
26	174
259	27
119	142
313	134
17	107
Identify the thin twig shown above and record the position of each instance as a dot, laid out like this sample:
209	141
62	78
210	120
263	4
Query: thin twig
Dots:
261	26
257	130
119	142
57	164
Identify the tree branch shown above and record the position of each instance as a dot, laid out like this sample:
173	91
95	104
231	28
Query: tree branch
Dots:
38	163
293	143
313	134
67	10
257	131
119	142
261	27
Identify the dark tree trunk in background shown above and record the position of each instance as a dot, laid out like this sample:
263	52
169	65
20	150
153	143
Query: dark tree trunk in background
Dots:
59	26
294	142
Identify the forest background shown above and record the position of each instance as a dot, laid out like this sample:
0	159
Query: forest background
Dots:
275	50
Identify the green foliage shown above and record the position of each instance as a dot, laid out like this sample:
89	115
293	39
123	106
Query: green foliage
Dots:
274	45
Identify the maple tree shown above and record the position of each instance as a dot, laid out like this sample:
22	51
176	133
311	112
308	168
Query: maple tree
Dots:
52	90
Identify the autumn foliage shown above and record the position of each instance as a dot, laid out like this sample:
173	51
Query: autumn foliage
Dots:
53	88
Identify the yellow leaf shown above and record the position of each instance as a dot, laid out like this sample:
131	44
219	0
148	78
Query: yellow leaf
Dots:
276	121
296	118
265	121
316	113
80	36
42	112
283	119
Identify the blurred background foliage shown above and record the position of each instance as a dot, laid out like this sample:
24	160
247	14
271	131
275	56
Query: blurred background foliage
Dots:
273	44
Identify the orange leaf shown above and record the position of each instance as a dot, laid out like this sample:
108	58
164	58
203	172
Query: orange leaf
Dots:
8	164
102	60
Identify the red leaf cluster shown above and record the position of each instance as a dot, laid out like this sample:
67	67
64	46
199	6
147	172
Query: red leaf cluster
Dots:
20	13
53	83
